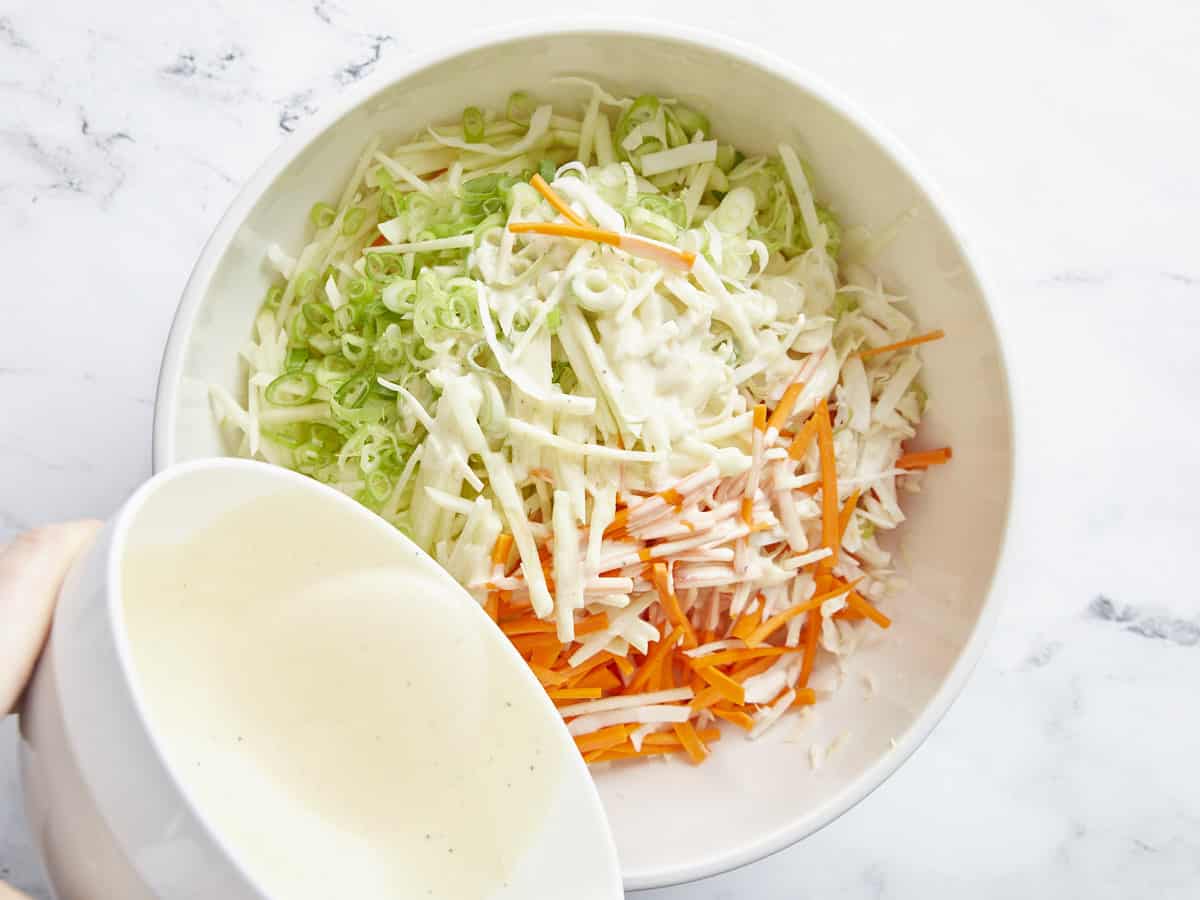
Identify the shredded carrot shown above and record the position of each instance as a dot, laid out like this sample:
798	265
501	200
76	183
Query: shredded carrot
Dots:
618	753
760	417
812	632
925	458
545	655
673	497
653	662
861	604
783	411
805	696
624	665
547	677
668	739
747	510
736	716
603	739
728	657
630	243
723	684
745	624
691	742
604	678
844	523
556	201
501	548
750	669
581	670
492	606
804	438
767	628
578	693
935	335
527	643
670	604
829	493
560	229
849	614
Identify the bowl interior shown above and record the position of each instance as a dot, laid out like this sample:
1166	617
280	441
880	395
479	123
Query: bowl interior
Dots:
673	822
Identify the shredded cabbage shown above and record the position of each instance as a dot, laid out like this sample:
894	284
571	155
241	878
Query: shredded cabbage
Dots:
461	380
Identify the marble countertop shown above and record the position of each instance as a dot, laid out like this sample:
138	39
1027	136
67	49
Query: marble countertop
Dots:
1065	133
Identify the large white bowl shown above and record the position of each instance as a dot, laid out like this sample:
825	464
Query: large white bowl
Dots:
672	822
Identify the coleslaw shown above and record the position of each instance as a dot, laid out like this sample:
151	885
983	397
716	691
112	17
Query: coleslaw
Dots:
620	380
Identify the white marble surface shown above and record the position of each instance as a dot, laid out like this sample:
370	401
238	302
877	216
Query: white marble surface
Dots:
1065	134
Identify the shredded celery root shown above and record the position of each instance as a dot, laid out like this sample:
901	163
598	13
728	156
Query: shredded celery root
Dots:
612	374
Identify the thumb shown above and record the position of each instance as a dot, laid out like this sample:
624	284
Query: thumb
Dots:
7	893
32	569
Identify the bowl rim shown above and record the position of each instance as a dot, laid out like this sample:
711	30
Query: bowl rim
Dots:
165	410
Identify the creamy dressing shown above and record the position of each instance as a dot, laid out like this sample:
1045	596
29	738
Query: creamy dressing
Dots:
340	714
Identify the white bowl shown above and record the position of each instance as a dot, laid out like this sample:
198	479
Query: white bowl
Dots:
108	810
673	823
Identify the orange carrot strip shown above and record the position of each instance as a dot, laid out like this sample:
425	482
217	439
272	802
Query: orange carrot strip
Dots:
527	625
760	417
752	668
804	697
844	522
624	665
544	656
560	229
547	677
579	693
618	753
673	497
935	335
603	738
767	628
492	606
812	631
669	739
605	679
804	438
527	643
727	657
653	661
581	670
783	411
747	512
924	458
556	201
747	622
829	494
724	685
591	624
670	604
691	742
736	716
861	604
501	549
849	614
706	698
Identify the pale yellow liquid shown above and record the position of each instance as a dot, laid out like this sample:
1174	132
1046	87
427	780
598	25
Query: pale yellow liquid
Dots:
343	721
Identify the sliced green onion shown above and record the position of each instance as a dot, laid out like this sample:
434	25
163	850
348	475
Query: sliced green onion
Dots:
274	295
472	123
547	168
291	436
322	215
726	157
306	283
352	222
691	121
354	392
291	389
295	359
520	108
